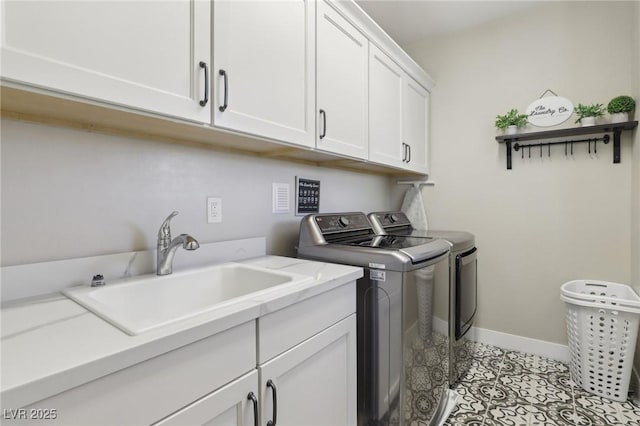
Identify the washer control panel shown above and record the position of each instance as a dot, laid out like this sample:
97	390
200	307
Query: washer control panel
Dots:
332	223
392	219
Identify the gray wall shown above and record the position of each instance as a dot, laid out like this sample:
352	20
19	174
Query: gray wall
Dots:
69	193
547	221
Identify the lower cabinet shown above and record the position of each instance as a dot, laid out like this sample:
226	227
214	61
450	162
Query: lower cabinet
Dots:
313	383
151	390
306	371
294	366
235	404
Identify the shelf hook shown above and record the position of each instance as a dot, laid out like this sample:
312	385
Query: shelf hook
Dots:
547	91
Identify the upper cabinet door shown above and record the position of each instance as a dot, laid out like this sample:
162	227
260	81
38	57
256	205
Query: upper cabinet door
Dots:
342	85
264	68
386	82
140	54
416	126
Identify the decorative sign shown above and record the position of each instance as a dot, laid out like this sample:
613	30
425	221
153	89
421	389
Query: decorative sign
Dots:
549	111
307	196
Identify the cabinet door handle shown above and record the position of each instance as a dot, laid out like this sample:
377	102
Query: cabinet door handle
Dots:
409	150
272	385
404	152
254	400
205	101
225	104
324	123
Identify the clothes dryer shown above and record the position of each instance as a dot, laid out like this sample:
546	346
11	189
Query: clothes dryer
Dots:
462	283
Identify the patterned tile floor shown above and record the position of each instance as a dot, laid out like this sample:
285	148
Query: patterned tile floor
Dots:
506	388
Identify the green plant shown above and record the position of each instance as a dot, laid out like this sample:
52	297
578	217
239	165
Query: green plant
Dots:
512	118
593	110
621	104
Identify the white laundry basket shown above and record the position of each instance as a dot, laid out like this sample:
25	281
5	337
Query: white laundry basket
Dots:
602	326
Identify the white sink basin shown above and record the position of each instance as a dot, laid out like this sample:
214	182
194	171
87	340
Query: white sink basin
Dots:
140	304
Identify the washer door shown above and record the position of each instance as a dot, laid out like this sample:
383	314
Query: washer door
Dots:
379	313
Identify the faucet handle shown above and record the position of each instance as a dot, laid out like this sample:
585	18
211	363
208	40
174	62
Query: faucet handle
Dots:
164	234
190	243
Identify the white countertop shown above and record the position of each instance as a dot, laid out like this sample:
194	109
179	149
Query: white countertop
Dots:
52	344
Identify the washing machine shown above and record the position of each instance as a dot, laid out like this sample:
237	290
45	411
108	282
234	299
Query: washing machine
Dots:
403	362
463	283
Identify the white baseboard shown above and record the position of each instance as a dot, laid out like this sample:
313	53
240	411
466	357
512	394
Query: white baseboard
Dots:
523	344
511	342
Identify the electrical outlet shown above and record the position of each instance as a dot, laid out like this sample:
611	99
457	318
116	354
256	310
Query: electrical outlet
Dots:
214	210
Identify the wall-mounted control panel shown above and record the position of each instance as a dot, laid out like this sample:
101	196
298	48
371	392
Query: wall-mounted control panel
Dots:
307	196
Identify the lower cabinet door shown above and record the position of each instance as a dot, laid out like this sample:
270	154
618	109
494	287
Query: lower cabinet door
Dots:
313	383
232	404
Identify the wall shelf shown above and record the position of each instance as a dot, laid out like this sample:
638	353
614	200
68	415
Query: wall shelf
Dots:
615	128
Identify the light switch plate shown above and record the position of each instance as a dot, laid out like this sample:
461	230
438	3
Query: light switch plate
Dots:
214	210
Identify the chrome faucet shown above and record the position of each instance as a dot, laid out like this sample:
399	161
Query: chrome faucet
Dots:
167	247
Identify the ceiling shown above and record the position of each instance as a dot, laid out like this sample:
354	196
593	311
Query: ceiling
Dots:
408	21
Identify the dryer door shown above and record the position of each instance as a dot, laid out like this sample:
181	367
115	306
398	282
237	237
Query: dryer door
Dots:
466	290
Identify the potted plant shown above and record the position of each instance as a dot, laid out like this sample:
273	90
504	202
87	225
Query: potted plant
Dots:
511	121
620	107
587	114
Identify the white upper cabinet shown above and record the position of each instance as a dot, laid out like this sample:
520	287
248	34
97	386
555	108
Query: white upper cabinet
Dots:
316	74
342	85
386	86
141	54
398	114
264	68
415	132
